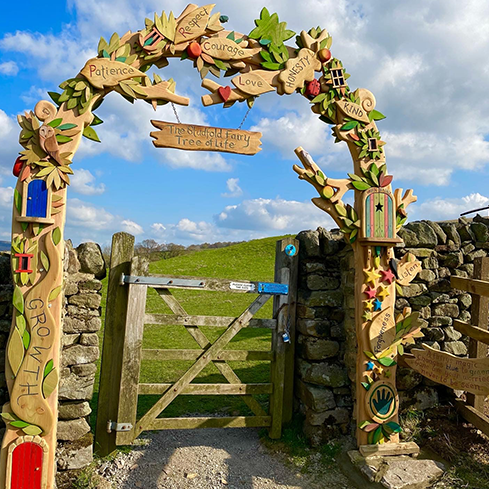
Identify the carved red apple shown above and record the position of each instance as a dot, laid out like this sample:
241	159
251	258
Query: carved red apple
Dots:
194	50
17	167
324	55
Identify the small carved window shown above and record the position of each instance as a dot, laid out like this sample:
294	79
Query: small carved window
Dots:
338	78
373	144
153	38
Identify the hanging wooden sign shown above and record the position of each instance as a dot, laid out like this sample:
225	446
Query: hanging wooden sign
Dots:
407	269
193	24
252	83
382	331
226	49
353	110
203	138
102	72
467	374
299	70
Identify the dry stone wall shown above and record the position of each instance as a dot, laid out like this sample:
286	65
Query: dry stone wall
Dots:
326	339
84	268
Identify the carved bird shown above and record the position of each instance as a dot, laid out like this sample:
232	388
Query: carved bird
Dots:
49	144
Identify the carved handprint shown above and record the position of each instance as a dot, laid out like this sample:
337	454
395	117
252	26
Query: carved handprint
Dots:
383	402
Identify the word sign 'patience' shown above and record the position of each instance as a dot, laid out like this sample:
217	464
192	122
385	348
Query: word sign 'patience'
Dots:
102	72
203	138
465	374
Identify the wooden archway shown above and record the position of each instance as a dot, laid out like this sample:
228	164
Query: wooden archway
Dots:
260	62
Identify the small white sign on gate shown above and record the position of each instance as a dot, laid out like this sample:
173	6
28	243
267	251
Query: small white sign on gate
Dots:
242	286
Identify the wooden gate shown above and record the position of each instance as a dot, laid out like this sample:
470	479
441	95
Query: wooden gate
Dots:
117	422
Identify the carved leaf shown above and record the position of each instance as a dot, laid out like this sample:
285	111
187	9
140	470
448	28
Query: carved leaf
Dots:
18	300
56	237
54	293
45	261
15	351
50	383
32	430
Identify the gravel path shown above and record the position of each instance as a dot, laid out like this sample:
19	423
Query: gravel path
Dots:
210	459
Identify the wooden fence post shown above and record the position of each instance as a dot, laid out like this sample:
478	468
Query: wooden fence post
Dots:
479	317
284	308
113	345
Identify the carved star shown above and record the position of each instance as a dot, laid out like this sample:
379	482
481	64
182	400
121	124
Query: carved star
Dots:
377	305
369	306
387	373
378	370
387	276
371	292
370	365
371	275
367	316
383	292
379	207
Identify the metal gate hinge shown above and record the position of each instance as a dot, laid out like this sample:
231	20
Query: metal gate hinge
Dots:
113	426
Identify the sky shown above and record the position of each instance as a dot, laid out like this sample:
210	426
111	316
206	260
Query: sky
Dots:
425	61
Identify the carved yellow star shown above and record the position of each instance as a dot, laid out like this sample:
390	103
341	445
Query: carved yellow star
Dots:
383	292
378	370
371	275
367	316
369	305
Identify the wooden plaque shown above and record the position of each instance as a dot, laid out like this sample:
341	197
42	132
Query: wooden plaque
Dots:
203	138
467	374
102	72
226	49
382	331
353	110
193	24
252	83
298	70
407	269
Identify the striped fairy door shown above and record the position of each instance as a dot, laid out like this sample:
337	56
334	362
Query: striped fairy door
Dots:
379	216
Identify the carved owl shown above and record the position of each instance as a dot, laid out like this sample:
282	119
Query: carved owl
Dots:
49	144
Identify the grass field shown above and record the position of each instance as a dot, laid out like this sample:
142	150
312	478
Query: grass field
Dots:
253	261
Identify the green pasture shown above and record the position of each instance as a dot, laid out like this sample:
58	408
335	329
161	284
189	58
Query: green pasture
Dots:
253	260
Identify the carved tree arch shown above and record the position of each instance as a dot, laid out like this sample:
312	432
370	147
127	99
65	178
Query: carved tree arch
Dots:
260	62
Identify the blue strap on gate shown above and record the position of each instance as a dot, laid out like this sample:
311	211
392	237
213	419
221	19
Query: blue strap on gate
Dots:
272	288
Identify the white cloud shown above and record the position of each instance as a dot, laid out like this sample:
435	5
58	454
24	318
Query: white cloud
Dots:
131	227
274	215
9	68
9	146
447	209
6	197
85	215
82	182
234	190
185	231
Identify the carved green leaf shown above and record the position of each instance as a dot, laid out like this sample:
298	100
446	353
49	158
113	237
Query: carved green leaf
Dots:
49	366
387	362
63	139
348	126
54	293
45	261
8	416
18	201
400	349
90	133
15	351
26	339
375	115
366	385
49	383
18	300
55	122
19	424
67	126
32	430
55	97
370	355
341	210
20	323
360	185
56	236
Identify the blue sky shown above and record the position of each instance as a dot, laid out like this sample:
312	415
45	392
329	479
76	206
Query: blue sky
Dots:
425	61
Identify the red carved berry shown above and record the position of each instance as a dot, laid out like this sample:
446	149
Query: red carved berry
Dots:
313	89
324	55
194	50
18	167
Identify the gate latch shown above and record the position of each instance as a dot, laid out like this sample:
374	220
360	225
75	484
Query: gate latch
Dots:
113	426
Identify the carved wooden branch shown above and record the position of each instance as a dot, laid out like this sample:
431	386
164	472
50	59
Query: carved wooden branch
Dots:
407	199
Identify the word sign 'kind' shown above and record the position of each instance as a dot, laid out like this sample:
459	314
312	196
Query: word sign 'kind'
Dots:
202	138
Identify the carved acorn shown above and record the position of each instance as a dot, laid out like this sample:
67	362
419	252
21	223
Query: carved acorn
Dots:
17	167
313	89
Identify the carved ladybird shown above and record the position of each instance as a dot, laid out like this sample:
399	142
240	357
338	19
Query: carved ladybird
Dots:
313	89
17	167
194	50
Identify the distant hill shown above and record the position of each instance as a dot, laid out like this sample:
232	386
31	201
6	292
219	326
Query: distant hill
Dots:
4	245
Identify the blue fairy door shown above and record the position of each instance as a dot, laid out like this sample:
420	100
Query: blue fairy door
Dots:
37	199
